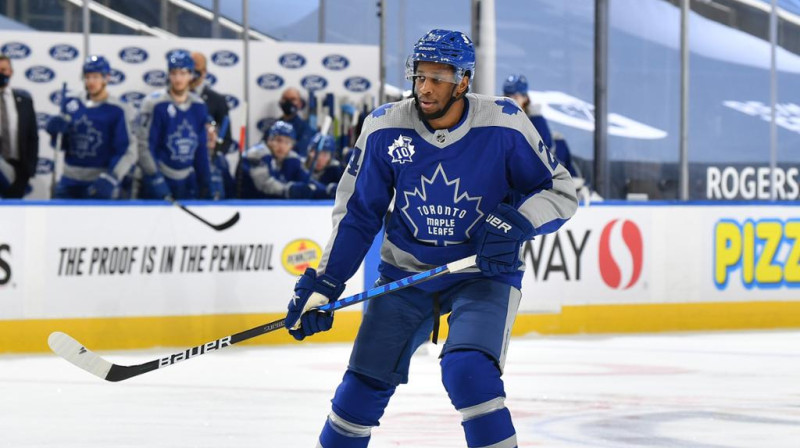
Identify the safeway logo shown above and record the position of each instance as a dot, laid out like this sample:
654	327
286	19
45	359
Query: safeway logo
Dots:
621	254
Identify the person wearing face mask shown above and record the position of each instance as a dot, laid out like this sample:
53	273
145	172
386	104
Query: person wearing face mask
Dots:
19	136
272	170
291	103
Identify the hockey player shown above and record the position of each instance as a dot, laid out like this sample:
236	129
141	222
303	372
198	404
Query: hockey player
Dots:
470	175
98	140
327	171
173	150
516	88
272	170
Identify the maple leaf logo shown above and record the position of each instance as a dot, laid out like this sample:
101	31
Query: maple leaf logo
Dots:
86	139
401	150
508	105
439	213
183	142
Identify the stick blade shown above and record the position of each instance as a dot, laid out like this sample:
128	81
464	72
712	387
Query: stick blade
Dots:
229	223
73	351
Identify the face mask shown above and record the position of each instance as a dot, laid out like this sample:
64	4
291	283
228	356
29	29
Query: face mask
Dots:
3	80
288	107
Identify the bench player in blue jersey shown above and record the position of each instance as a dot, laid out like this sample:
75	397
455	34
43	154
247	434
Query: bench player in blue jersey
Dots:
516	88
172	135
272	169
99	145
327	171
469	174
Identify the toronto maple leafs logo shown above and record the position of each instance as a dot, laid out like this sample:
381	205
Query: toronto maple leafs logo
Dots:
439	213
86	139
183	142
401	150
508	106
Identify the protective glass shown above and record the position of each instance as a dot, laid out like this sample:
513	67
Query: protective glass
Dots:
413	72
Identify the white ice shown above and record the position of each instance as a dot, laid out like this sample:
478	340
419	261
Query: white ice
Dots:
698	390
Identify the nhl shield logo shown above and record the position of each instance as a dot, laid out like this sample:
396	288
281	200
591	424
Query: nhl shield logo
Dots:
401	150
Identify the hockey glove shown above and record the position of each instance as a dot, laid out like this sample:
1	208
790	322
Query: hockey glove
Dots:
104	187
298	190
56	125
157	186
310	292
499	239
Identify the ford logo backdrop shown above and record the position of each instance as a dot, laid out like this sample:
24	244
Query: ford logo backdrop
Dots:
155	78
16	50
63	52
211	79
41	120
115	77
269	81
356	84
40	73
169	53
232	101
292	60
335	62
314	82
133	55
133	98
225	58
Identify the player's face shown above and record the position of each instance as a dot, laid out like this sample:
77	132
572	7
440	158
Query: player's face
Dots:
94	83
322	160
520	99
5	67
280	145
179	79
433	92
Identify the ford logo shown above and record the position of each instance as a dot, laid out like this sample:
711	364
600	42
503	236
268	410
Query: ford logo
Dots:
44	166
55	97
232	101
313	82
41	119
211	79
133	55
155	78
269	81
63	52
224	58
335	62
39	73
133	98
292	60
16	50
356	84
115	77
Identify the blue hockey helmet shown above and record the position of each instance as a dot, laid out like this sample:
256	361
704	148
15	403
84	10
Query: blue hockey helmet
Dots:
281	127
515	84
180	59
328	143
96	64
453	48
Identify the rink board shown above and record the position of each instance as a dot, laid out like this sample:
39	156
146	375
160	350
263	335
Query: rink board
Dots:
140	275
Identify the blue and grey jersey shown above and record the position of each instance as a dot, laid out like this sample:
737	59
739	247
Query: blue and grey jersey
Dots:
99	140
172	137
540	123
264	177
444	183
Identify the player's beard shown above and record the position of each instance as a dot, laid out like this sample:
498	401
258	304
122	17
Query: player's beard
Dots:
436	115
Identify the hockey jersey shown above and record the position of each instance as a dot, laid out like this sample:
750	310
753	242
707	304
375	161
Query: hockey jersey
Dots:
444	184
264	177
99	138
172	137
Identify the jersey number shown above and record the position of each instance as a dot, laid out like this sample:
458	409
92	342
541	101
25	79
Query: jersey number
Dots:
550	159
352	169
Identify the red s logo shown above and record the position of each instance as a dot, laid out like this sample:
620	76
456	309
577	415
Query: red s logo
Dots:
609	266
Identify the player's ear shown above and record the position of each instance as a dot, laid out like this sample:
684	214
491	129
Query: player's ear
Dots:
463	85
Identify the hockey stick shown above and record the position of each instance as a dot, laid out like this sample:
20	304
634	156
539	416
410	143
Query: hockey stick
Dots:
218	227
70	349
326	125
59	142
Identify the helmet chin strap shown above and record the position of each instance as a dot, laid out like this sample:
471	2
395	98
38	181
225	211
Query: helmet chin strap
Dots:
436	115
